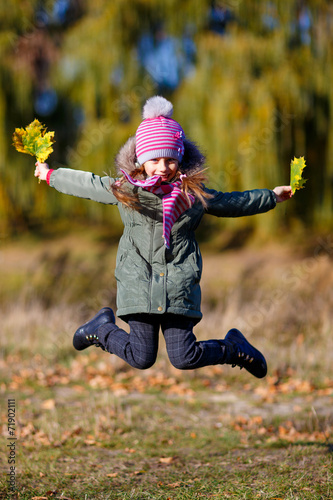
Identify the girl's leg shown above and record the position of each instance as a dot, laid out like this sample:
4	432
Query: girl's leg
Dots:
184	351
138	348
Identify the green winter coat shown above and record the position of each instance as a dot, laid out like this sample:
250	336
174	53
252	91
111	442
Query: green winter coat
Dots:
151	278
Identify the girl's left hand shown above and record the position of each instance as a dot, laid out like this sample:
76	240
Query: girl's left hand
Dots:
282	193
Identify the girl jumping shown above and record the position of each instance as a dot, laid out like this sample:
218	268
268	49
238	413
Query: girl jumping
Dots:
161	197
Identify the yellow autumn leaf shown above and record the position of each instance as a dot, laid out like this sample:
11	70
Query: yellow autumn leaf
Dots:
34	140
167	460
48	404
296	170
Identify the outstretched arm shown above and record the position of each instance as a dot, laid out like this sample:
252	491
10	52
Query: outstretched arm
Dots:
77	183
282	193
239	204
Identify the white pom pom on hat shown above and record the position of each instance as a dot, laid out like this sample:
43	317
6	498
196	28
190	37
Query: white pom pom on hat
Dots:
159	135
157	106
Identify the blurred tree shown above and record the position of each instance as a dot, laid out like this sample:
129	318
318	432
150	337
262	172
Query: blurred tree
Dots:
250	82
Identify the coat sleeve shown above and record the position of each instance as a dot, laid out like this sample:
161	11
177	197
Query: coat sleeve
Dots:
83	185
238	204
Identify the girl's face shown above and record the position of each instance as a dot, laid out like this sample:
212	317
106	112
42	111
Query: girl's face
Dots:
164	167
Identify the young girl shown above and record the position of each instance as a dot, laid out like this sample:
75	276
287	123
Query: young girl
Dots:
161	199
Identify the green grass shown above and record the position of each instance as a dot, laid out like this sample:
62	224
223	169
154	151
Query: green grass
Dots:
235	474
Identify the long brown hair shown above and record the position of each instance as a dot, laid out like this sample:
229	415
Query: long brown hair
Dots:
191	184
126	196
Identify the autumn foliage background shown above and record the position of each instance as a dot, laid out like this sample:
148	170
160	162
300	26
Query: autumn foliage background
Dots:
252	85
253	90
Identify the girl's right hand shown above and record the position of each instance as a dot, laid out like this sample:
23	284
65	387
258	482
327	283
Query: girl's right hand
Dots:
41	170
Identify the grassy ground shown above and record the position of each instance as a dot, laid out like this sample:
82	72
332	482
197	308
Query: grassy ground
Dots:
88	427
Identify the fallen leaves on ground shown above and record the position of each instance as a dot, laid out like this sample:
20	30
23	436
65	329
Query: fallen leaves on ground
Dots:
90	372
274	386
81	374
167	460
255	426
51	494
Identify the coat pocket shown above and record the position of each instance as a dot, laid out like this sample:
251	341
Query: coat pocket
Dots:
133	275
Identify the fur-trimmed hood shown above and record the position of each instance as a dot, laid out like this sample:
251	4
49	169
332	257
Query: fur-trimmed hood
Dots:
193	160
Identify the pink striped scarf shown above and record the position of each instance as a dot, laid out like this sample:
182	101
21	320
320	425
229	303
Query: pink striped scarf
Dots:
174	201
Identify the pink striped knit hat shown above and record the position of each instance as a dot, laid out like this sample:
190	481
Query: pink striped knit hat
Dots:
159	136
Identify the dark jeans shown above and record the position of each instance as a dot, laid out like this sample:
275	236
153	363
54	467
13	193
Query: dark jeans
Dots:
139	347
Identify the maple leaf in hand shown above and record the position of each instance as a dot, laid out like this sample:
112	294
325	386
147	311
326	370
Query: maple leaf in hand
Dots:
34	140
296	170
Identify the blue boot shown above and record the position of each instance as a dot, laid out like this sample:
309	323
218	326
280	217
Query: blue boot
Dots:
239	352
86	335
